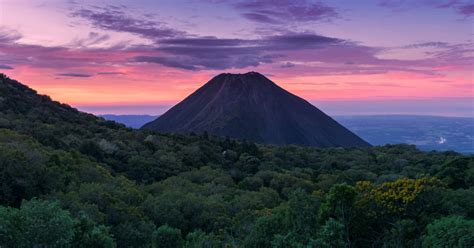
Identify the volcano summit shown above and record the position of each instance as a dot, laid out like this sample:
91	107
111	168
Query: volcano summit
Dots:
250	106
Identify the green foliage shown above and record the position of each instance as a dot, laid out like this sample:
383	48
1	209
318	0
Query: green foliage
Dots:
451	231
88	234
199	239
339	204
402	234
409	197
458	173
264	229
331	235
167	237
36	224
289	240
302	214
459	202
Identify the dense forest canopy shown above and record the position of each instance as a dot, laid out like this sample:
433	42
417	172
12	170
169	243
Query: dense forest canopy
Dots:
70	179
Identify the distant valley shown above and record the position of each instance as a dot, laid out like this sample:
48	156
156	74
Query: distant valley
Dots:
426	132
133	121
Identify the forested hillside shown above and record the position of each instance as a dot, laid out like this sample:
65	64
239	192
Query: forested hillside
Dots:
70	179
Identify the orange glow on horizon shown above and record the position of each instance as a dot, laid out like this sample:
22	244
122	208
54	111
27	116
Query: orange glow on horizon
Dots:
169	86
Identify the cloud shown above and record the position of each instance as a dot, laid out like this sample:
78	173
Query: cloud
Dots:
299	41
6	67
116	19
258	17
92	39
284	11
466	10
8	35
59	57
111	73
177	62
62	58
204	42
462	7
367	84
217	54
287	65
428	44
80	75
313	53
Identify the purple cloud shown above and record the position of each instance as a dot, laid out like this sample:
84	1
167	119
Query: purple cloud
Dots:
258	17
467	10
80	75
284	11
287	65
313	53
8	36
92	39
110	73
298	41
334	56
115	18
214	53
462	7
173	48
428	44
6	67
49	57
204	42
14	53
176	62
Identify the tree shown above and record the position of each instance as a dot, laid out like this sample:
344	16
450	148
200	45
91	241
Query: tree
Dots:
36	224
331	235
199	239
90	235
23	174
452	231
339	204
402	234
289	240
459	202
458	173
133	233
303	215
265	228
404	196
92	149
167	237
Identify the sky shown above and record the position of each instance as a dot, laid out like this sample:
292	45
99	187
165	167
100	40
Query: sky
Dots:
345	57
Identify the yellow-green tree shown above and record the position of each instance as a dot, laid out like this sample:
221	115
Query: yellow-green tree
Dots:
401	197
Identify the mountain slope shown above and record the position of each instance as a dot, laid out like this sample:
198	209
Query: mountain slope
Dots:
59	126
52	123
250	106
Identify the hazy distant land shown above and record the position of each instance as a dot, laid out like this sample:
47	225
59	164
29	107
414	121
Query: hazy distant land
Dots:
426	132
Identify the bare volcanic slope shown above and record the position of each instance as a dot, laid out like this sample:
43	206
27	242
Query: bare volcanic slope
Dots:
250	106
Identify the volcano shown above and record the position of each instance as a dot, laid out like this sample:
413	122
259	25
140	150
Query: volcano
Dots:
250	106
